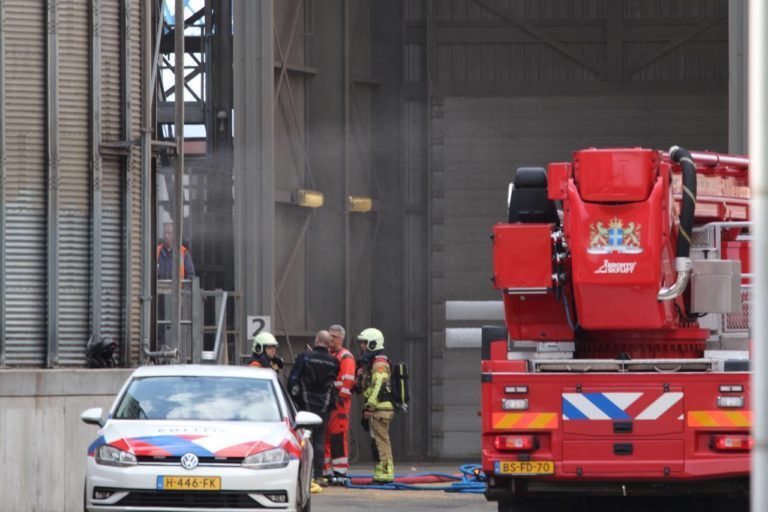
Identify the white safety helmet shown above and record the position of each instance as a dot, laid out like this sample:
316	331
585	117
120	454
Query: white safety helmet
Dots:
373	338
261	340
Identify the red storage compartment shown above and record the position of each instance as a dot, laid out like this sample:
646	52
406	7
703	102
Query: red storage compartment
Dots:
522	256
617	456
615	175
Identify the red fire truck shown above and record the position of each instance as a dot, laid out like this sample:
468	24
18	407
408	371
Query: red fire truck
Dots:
623	368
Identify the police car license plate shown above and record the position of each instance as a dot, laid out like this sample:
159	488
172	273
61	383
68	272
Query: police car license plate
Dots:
516	467
189	483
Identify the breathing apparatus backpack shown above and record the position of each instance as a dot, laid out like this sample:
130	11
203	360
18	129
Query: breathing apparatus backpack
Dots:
400	390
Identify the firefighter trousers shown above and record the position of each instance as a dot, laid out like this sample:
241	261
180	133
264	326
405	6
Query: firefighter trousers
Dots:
380	432
336	441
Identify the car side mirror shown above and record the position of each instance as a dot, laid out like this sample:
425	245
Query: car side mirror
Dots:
93	416
305	419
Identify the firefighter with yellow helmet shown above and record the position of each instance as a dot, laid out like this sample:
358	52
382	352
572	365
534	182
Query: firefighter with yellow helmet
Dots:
379	409
265	352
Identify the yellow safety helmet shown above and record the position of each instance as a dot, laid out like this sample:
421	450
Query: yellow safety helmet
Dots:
261	340
373	338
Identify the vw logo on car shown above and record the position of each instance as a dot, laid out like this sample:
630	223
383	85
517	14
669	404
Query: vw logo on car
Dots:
189	461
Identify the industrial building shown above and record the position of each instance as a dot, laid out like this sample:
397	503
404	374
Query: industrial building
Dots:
343	162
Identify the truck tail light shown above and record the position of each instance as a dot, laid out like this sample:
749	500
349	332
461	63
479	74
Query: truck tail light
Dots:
732	442
515	443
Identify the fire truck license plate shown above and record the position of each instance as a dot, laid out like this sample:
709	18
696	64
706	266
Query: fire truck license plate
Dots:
534	467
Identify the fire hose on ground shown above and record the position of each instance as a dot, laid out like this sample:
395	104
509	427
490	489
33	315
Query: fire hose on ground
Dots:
471	480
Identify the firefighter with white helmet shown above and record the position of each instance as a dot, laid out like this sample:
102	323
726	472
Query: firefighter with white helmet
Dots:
265	352
378	410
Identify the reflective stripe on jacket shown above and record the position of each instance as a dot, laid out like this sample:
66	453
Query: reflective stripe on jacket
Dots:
345	380
376	382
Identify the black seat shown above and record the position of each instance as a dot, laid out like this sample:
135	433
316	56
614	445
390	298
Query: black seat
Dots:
529	202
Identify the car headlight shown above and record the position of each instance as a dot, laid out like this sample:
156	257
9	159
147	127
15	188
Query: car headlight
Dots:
111	456
270	459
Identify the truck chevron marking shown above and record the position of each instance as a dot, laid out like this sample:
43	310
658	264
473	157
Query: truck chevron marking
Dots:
660	406
719	418
525	420
619	406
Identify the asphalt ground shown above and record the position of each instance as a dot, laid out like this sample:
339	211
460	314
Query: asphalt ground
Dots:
339	499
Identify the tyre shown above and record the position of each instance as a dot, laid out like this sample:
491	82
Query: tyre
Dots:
531	505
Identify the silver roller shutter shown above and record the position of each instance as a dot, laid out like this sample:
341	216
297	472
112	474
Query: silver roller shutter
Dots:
26	185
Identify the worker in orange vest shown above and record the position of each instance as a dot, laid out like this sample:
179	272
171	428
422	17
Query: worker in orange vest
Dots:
165	257
336	443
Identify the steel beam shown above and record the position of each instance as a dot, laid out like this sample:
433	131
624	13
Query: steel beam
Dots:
738	110
127	113
3	177
500	10
347	161
254	156
758	143
674	43
96	170
178	178
146	190
432	380
54	178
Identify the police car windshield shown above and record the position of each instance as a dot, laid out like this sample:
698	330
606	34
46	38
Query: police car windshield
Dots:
200	399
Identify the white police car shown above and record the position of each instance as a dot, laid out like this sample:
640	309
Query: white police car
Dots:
200	437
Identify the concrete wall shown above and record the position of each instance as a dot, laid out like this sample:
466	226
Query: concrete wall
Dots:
43	443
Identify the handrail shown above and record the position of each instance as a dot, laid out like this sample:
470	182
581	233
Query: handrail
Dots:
220	327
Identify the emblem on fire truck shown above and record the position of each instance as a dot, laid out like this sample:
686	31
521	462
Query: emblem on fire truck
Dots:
614	238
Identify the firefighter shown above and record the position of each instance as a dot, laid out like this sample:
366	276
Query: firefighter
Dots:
264	352
336	446
379	408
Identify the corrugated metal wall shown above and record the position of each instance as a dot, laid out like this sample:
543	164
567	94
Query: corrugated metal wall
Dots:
111	169
26	185
29	189
520	82
135	183
75	189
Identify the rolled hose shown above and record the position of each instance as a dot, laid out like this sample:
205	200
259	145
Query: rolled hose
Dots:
471	480
682	259
684	158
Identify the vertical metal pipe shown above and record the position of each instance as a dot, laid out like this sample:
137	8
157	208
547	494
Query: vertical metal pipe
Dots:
347	164
178	175
96	170
758	142
127	111
146	162
52	79
428	75
2	183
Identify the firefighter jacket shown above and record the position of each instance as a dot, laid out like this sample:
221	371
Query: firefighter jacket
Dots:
311	381
345	380
262	361
377	389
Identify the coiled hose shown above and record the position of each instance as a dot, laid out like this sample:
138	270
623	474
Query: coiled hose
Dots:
471	480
